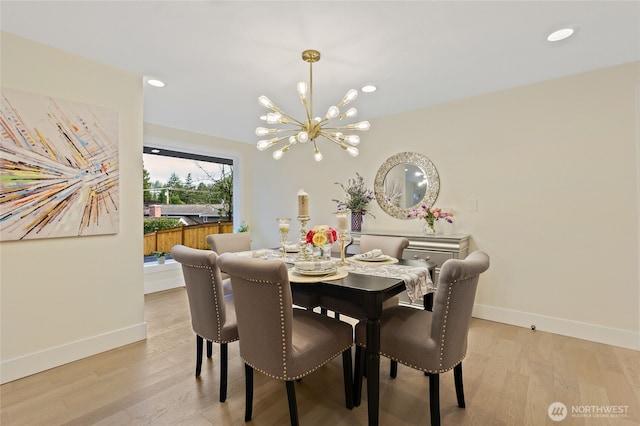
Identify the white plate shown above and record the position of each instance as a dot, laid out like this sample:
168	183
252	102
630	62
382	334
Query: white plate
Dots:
316	272
380	258
293	250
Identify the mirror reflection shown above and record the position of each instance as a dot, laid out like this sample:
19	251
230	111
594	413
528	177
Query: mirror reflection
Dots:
405	181
405	185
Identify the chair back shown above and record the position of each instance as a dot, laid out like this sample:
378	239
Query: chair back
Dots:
204	290
453	304
262	294
391	246
229	243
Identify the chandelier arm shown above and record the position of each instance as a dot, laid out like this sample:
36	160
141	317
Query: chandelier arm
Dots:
292	131
299	123
287	146
325	120
275	141
343	128
336	141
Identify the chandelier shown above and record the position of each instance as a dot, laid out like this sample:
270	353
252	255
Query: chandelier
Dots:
311	128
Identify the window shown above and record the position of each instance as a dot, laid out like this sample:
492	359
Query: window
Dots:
191	187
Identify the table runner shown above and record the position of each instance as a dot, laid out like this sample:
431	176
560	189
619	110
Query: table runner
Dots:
416	279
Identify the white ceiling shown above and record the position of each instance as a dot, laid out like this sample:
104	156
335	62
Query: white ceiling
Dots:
217	57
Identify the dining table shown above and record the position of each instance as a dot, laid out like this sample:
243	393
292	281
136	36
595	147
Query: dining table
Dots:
364	290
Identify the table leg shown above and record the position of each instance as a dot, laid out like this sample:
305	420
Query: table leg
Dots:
373	370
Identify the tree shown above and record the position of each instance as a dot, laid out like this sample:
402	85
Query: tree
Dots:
188	194
147	193
222	190
174	185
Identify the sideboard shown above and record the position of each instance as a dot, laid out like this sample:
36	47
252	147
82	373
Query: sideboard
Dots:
436	248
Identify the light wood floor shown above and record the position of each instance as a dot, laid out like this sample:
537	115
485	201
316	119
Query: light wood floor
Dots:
511	376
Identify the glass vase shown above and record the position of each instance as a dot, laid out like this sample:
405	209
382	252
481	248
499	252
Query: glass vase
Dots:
322	252
428	228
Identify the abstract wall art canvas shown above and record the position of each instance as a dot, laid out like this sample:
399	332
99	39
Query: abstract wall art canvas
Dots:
58	168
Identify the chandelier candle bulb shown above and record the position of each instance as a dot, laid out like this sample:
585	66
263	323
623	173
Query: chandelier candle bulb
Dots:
303	203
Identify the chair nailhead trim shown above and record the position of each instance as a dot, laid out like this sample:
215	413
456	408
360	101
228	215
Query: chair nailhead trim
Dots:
442	339
215	301
284	342
296	377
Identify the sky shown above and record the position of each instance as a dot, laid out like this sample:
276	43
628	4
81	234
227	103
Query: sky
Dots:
160	168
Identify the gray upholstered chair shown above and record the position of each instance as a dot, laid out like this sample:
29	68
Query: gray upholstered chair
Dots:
430	341
213	314
229	243
391	246
282	342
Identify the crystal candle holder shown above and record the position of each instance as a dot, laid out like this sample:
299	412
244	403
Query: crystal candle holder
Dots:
342	227
283	228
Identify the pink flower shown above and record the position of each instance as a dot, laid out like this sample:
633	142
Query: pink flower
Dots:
430	214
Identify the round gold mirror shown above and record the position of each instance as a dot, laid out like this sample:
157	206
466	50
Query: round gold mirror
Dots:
404	182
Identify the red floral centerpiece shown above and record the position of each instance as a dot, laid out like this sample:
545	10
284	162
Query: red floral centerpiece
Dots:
322	235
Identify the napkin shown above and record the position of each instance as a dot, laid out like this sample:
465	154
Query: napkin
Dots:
371	253
314	266
253	253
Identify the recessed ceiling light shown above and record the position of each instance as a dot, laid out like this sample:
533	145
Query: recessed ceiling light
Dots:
560	34
155	83
155	151
370	88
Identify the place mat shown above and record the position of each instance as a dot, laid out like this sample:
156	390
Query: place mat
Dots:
293	277
389	261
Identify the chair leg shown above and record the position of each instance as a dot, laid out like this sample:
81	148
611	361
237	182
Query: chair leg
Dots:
347	372
209	348
248	378
434	398
457	377
359	373
393	368
293	406
199	344
223	372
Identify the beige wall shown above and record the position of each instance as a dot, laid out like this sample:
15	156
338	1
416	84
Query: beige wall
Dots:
554	169
66	298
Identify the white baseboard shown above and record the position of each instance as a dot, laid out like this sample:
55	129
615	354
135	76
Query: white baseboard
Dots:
580	330
17	368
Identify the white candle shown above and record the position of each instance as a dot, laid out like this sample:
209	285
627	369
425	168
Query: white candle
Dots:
303	203
342	223
284	227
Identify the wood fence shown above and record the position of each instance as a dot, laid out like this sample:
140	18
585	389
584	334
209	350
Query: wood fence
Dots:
190	236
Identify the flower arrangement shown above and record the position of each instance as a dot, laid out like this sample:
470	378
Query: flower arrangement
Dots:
321	235
357	196
431	215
